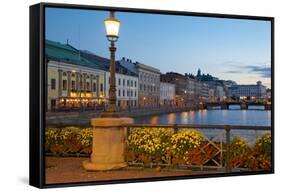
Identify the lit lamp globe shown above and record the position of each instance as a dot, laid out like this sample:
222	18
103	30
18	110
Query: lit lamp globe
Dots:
112	26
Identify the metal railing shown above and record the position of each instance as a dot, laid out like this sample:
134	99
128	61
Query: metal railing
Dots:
218	136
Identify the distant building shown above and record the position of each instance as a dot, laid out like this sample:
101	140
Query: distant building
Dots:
148	82
248	91
218	87
126	81
191	87
181	87
268	93
211	95
220	93
167	94
204	91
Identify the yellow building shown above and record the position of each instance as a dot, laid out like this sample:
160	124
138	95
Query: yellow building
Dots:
73	81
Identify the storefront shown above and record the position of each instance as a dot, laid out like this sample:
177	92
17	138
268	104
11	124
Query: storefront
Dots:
77	100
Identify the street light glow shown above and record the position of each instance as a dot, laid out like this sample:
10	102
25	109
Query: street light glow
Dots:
112	26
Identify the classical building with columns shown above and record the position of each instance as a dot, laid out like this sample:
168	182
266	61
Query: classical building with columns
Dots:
73	81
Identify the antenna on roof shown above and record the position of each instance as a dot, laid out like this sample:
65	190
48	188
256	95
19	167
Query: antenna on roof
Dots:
79	42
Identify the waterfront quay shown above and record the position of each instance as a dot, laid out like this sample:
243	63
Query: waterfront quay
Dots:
76	118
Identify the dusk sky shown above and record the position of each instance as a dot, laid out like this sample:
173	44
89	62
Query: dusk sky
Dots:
231	49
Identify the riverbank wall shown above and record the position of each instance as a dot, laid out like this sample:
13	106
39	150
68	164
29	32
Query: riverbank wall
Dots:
83	118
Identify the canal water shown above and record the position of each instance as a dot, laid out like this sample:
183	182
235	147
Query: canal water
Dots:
233	116
251	117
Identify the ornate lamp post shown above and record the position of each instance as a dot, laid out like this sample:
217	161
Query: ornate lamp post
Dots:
109	134
112	26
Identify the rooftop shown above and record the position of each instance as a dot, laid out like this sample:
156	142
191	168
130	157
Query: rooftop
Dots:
68	54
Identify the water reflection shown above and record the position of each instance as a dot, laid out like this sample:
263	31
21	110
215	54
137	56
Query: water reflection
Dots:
184	117
154	119
171	118
212	117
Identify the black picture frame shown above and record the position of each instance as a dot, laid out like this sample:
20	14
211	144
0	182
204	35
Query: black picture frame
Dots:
38	86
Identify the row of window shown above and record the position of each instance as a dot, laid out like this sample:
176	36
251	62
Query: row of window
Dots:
149	77
128	103
78	74
148	88
129	82
73	85
129	93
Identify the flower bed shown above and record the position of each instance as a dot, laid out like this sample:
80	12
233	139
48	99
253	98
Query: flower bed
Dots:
159	146
68	141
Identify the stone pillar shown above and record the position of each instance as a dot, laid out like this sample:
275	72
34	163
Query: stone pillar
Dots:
68	83
109	146
60	83
98	86
243	106
76	82
91	83
84	83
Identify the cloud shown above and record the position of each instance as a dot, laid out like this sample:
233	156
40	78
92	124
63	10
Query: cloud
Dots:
233	72
263	69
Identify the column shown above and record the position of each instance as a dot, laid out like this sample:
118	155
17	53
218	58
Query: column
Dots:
84	83
91	83
77	81
60	83
98	86
68	83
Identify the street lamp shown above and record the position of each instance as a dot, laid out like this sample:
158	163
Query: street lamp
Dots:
112	26
109	154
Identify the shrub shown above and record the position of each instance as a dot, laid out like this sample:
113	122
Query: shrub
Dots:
260	157
147	144
239	151
68	140
86	138
161	145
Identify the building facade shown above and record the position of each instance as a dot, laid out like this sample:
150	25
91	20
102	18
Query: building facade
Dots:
204	91
148	82
257	91
73	81
167	94
126	90
181	87
126	82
